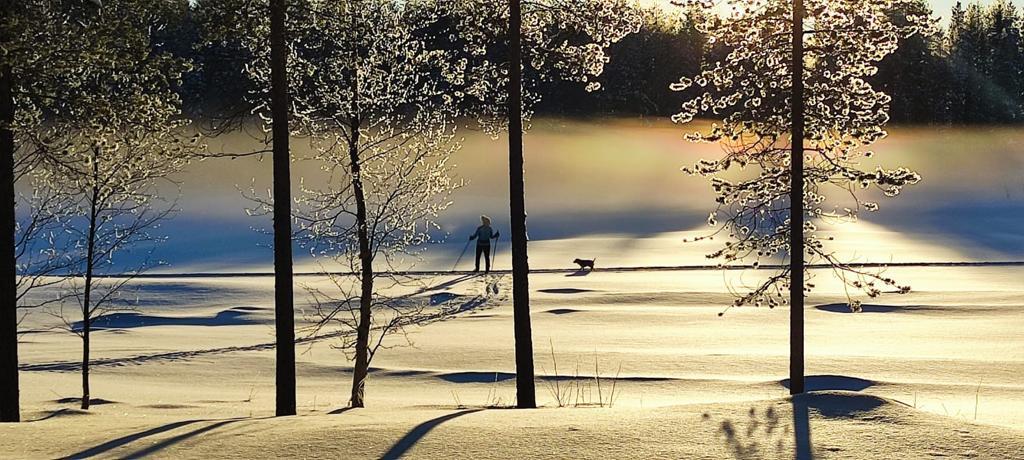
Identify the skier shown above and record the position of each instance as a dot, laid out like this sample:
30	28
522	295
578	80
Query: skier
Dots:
483	236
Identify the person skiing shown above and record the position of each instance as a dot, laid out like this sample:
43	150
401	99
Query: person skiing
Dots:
483	236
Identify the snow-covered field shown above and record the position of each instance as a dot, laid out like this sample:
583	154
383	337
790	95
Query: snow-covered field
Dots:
935	373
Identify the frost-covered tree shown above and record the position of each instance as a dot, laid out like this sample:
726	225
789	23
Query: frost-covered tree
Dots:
45	59
111	179
103	153
562	40
43	255
787	80
379	106
332	77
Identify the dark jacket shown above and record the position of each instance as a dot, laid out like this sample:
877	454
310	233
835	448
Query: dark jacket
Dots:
483	235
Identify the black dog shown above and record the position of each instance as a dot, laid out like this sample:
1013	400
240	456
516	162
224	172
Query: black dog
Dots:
584	263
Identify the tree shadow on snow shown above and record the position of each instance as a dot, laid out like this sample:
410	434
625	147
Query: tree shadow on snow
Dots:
62	412
765	430
92	401
491	377
832	383
565	290
756	436
839	405
801	430
869	308
562	311
402	446
447	284
238	316
477	377
158	446
453	309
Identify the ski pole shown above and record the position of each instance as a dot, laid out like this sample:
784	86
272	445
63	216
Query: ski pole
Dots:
464	249
494	256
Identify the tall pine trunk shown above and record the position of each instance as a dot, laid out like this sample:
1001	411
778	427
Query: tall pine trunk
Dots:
362	353
284	310
796	222
9	395
526	396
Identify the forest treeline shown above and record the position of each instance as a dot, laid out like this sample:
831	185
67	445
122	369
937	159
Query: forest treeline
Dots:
968	69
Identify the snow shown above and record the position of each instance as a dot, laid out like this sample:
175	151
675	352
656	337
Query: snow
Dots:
936	372
915	369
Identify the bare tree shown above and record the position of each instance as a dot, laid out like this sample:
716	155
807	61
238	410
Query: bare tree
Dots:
797	110
379	108
45	60
104	156
114	187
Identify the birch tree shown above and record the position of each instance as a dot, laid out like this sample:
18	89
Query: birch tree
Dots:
44	61
379	106
115	139
379	103
788	82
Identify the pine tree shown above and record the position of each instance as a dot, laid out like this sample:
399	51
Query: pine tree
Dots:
916	76
526	392
1006	61
257	35
284	298
9	392
509	47
797	114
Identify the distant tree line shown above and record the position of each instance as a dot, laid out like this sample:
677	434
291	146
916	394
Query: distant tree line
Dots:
967	70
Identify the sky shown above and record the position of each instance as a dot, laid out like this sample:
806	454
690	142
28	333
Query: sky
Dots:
941	7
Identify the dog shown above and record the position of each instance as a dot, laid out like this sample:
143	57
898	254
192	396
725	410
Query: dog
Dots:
583	263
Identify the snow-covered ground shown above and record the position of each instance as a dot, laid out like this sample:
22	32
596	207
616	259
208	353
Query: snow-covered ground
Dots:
935	373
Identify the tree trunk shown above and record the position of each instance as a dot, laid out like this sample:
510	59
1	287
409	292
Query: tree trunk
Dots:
526	396
362	364
9	395
796	222
361	368
90	255
284	310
